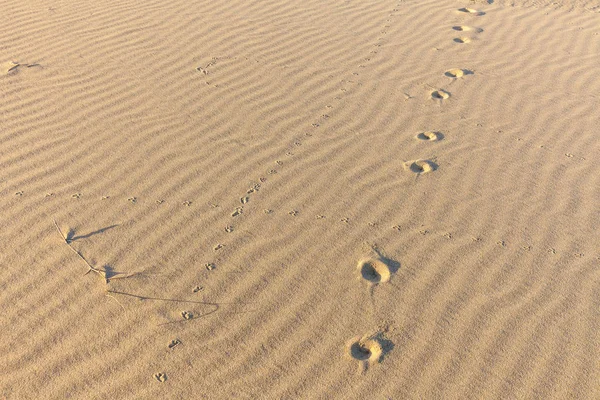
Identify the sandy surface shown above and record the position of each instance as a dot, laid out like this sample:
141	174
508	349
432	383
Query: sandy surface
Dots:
300	199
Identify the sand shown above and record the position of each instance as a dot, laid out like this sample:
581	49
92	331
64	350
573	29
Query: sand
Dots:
294	199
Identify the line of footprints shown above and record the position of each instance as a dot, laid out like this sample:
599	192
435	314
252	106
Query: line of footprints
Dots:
425	166
370	348
367	349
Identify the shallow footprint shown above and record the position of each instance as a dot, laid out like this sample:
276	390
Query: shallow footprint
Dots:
462	40
457	73
160	376
420	166
464	28
440	95
430	136
471	11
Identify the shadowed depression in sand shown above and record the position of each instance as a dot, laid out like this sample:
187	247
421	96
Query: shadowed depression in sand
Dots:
300	199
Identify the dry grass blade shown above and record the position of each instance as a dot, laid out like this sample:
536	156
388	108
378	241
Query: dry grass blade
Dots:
100	272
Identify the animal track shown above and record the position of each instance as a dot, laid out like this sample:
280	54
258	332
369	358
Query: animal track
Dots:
375	270
471	11
420	166
430	136
440	95
365	350
457	73
368	350
161	376
464	28
462	40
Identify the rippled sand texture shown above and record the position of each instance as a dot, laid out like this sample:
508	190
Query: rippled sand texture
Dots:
300	199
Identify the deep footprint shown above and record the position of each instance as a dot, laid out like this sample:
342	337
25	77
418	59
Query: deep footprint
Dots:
374	270
368	350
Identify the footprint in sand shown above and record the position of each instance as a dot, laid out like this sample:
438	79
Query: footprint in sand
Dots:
161	376
430	136
420	166
457	73
376	270
462	40
471	11
464	28
368	349
440	95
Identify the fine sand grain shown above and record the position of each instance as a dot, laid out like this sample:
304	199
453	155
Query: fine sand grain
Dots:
300	199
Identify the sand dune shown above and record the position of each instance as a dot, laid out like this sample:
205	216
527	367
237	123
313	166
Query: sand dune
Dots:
300	199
